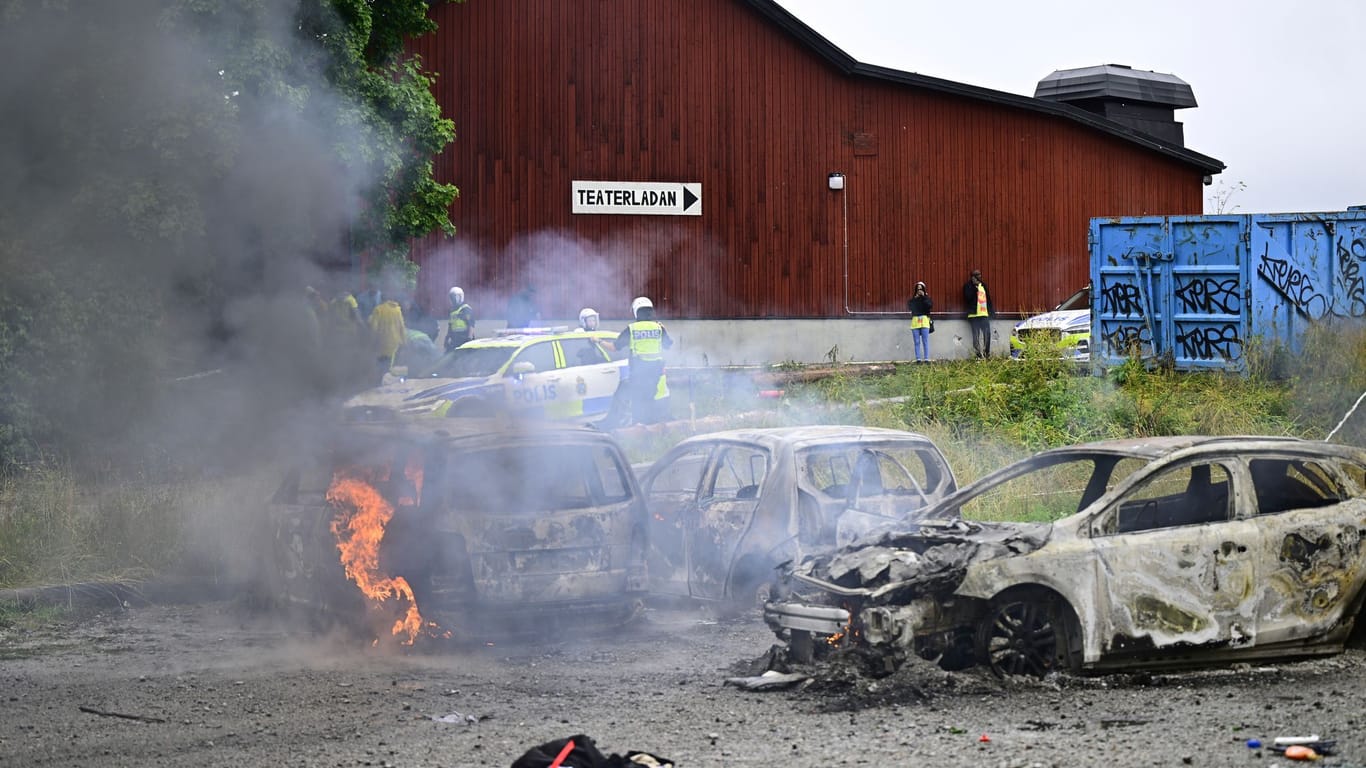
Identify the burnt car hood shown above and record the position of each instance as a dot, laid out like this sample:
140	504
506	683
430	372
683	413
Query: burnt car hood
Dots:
931	557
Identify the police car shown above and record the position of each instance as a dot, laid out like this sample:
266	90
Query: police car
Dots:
1067	328
552	373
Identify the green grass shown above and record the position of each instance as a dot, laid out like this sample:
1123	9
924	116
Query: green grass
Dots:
57	527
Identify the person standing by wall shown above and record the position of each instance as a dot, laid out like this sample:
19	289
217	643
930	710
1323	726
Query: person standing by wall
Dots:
980	311
919	306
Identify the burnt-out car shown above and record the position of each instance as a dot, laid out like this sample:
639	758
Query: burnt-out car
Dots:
1161	552
727	507
465	528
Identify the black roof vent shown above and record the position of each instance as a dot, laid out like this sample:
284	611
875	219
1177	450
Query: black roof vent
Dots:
1144	101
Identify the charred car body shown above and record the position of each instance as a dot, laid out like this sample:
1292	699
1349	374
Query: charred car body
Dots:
728	507
470	527
1166	552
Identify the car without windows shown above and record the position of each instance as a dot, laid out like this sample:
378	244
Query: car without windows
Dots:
726	508
1164	552
473	527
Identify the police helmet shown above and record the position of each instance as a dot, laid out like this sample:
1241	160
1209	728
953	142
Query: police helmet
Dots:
640	303
457	295
587	315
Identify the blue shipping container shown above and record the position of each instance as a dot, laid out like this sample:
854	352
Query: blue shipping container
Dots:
1195	291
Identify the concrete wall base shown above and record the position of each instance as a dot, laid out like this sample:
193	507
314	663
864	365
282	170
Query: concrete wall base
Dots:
704	343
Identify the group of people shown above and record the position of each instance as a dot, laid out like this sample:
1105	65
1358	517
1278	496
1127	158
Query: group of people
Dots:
976	298
363	321
644	340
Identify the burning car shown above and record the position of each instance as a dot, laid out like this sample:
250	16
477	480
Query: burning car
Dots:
1161	552
726	508
1067	328
464	528
551	373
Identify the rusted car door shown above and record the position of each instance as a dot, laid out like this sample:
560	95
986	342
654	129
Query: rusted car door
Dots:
1311	547
1177	569
671	494
724	510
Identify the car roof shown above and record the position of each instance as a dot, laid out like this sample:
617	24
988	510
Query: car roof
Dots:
1156	447
523	339
806	436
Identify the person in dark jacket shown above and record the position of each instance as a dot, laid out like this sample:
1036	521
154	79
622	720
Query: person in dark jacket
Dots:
980	311
919	306
522	309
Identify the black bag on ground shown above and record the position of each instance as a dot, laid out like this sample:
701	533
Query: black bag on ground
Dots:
585	754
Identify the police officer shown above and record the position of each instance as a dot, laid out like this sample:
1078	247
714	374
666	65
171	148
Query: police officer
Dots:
461	326
646	339
588	319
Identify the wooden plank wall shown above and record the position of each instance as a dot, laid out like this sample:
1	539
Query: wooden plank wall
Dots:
544	93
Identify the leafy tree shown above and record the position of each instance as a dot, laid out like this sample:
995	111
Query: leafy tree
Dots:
172	173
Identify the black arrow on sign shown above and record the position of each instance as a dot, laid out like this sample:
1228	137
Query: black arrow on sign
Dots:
688	198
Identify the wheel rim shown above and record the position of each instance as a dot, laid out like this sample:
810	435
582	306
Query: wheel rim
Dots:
1022	640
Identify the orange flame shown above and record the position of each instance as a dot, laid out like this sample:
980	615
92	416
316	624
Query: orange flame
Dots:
362	514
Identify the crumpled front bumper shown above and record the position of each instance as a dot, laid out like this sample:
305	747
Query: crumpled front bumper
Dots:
819	619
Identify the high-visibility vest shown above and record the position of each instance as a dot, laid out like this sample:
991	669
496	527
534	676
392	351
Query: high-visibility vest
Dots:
920	321
647	340
981	309
458	322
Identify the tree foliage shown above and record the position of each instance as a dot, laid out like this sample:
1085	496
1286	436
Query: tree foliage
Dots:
171	174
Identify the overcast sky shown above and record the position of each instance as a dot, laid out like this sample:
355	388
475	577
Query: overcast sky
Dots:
1279	84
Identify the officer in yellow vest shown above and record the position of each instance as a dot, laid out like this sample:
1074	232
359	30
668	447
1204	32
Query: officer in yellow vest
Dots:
646	339
461	327
980	310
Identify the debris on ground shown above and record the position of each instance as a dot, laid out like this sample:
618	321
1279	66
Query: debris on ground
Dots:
771	680
456	717
580	751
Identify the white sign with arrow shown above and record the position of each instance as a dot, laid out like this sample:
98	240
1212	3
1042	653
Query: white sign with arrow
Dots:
647	198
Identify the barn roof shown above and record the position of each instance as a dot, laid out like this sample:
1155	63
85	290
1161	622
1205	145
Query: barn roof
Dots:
852	67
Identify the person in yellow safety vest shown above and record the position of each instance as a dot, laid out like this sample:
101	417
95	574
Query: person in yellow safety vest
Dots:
919	306
346	320
461	327
390	333
646	339
980	311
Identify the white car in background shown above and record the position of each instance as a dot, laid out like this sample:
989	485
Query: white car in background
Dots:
1068	327
552	373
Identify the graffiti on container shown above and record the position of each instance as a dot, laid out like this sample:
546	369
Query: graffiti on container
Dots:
1350	257
1128	339
1298	286
1211	342
1210	295
1295	285
1121	299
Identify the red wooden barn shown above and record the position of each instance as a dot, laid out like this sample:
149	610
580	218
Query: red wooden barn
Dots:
591	105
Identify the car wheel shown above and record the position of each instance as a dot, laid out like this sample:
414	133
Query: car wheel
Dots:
314	587
1025	635
468	408
751	586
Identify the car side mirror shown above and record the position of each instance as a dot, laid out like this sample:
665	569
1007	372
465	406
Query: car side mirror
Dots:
522	368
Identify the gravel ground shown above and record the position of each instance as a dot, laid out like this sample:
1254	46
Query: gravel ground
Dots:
211	685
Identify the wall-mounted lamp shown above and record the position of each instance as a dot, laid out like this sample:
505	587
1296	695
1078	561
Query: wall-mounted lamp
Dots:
836	180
